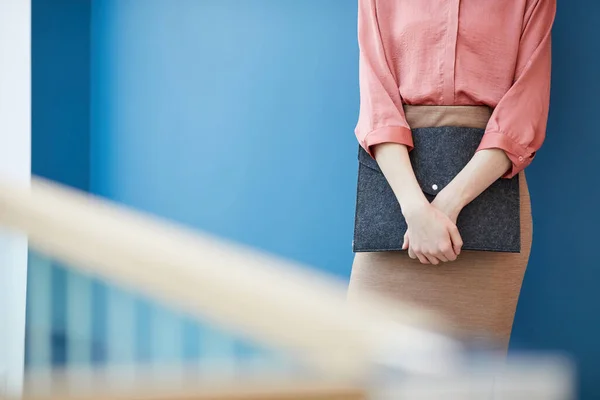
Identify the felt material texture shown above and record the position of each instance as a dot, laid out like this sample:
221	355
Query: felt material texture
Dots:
491	222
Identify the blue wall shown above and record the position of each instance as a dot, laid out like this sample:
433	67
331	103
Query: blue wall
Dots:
559	304
61	91
236	117
60	119
245	110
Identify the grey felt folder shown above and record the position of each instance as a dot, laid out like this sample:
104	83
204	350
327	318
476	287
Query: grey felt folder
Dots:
491	222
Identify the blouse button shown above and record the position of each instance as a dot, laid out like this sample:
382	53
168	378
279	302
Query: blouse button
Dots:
434	187
520	158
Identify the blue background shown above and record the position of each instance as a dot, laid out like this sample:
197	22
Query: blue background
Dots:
237	117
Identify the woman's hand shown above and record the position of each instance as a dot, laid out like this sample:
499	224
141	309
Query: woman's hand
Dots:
432	236
447	203
483	169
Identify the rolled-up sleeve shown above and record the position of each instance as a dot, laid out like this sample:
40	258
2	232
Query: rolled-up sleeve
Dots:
518	123
381	118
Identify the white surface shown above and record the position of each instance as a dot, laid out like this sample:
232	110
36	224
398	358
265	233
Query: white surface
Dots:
15	161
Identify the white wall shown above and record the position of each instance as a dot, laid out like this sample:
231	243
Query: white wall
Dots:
15	163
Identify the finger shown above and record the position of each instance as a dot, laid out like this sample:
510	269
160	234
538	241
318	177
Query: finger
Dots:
447	252
405	244
457	242
441	256
422	258
432	259
411	253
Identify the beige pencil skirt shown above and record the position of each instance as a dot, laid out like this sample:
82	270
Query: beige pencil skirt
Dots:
475	296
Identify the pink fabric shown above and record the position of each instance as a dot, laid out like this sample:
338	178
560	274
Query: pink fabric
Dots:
457	52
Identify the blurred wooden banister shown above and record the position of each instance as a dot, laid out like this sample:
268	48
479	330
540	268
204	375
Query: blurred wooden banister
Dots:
269	300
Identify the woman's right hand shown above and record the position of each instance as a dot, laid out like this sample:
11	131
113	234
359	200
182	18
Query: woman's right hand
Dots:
431	236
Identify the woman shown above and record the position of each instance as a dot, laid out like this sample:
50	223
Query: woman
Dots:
467	64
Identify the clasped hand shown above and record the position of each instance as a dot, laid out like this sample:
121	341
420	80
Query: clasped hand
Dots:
432	236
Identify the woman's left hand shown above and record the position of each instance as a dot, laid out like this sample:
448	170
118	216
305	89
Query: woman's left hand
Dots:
444	202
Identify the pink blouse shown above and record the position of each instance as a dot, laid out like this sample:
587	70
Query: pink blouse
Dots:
457	52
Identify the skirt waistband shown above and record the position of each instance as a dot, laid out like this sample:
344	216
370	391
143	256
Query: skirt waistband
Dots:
434	116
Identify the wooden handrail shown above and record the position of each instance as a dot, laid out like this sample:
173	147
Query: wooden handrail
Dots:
267	299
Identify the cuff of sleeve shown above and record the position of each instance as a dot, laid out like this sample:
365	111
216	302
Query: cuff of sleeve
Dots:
519	155
388	134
